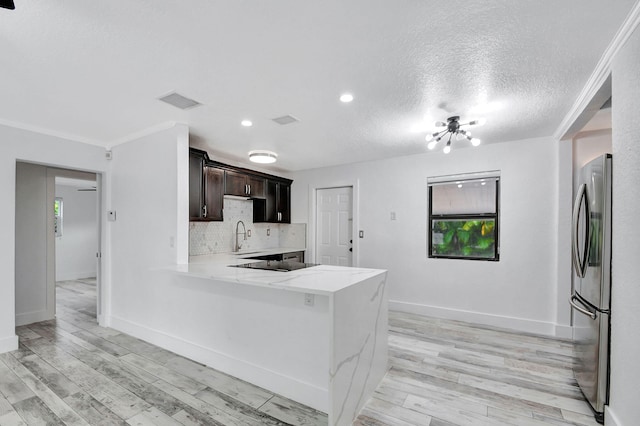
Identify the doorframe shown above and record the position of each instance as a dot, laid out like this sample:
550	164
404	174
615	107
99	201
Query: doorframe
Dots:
52	173
355	224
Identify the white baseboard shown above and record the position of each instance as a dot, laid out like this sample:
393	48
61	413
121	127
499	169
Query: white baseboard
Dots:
71	276
31	317
8	344
564	331
305	393
610	419
513	323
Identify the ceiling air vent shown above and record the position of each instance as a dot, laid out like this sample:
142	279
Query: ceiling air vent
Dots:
179	101
285	119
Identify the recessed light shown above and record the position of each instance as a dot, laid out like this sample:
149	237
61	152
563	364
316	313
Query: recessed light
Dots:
346	97
246	123
263	157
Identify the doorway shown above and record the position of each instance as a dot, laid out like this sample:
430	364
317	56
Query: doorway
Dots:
334	226
76	240
45	218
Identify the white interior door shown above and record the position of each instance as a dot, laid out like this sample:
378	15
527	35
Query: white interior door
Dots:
334	230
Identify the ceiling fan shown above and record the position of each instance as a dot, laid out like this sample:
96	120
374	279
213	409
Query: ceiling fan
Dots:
7	4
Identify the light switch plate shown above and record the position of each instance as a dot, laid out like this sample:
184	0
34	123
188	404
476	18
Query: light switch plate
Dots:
111	215
361	234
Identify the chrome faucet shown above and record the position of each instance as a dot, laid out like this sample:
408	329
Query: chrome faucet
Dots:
244	234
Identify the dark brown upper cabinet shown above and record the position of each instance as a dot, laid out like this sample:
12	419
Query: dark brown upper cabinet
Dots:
205	188
277	206
210	180
243	184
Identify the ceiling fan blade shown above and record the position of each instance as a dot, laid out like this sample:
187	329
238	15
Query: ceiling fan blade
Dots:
7	4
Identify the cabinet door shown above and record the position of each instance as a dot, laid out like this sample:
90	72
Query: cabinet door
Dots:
284	203
271	208
256	186
235	183
196	186
214	193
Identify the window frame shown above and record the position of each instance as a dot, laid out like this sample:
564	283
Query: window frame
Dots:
59	218
466	216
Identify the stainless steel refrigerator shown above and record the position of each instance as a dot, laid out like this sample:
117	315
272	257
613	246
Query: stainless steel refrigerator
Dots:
591	298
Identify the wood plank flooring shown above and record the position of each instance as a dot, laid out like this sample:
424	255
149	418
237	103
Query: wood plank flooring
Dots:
70	371
445	373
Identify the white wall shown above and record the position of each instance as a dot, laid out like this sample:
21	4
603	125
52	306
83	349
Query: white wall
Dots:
76	248
520	291
149	184
625	304
18	144
32	303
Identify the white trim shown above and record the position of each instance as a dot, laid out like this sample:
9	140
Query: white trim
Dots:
564	331
289	387
72	276
8	344
142	133
433	180
49	132
610	419
34	316
599	76
513	323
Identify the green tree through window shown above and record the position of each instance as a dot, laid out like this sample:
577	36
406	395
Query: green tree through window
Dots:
463	217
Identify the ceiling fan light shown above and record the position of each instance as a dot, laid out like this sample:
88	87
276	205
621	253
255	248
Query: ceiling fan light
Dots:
475	141
432	144
263	157
429	137
478	122
447	149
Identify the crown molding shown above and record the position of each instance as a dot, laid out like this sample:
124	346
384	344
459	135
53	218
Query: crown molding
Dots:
599	84
48	132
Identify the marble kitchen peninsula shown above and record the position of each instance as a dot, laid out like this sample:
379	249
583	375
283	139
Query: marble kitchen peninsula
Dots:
316	335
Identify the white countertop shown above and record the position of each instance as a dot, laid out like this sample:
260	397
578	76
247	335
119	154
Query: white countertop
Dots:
320	279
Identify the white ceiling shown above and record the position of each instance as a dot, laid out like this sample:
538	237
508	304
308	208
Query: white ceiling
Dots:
93	70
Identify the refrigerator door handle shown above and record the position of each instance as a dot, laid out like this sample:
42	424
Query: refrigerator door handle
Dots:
580	261
582	309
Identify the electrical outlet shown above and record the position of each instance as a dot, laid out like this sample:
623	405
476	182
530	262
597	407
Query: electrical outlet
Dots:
172	242
249	233
393	215
268	231
309	299
361	234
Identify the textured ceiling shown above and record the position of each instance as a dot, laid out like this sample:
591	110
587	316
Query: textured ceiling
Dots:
93	70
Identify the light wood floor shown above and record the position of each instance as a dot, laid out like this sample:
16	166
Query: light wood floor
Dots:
442	373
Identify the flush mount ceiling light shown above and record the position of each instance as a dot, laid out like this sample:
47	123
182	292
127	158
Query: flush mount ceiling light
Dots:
263	157
453	127
246	123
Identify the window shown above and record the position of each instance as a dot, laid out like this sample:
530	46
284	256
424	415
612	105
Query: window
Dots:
463	216
57	217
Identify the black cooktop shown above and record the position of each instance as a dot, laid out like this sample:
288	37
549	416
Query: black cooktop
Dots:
275	265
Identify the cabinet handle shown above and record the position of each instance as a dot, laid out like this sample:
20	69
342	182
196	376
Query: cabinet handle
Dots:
249	191
204	211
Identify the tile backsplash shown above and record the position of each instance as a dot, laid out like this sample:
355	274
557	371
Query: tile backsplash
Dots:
219	237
